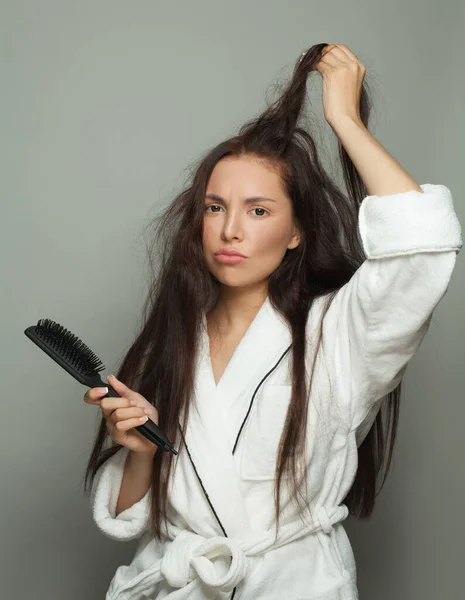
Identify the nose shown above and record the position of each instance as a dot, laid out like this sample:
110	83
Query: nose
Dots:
233	226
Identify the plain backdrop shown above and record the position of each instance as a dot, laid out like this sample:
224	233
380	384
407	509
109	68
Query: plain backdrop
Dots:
104	106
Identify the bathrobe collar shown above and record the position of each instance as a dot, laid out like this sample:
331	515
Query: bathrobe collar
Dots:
218	412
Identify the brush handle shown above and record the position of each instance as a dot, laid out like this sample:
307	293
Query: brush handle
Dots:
63	348
150	430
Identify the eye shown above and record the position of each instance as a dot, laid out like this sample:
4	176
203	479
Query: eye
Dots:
218	206
260	209
210	205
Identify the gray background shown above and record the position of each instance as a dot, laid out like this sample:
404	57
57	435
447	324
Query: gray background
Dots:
105	104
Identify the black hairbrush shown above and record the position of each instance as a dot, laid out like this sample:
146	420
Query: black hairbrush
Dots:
78	359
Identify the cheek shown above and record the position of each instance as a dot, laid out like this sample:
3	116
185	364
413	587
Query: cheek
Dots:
207	234
272	241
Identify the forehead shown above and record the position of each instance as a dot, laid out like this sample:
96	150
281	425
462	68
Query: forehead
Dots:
245	176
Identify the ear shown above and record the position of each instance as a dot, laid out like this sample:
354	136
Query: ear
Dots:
295	240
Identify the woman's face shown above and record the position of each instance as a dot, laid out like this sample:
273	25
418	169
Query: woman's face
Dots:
262	230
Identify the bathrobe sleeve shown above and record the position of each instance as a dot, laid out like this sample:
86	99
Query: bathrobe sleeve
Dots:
379	318
130	523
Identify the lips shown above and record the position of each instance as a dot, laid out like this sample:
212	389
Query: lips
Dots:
229	259
228	252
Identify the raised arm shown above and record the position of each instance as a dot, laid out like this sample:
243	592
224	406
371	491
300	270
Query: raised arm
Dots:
379	318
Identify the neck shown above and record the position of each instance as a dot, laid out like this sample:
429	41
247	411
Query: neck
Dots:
237	307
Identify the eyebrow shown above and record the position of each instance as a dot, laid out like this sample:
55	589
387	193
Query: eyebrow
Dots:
247	200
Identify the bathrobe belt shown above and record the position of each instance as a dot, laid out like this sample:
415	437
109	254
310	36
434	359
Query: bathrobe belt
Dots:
188	556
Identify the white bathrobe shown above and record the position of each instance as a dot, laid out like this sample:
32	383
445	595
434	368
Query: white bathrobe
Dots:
221	510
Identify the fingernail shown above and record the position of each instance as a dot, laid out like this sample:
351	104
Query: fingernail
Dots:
103	390
108	378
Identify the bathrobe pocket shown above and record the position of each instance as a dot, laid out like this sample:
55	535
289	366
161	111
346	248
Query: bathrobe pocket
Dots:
262	432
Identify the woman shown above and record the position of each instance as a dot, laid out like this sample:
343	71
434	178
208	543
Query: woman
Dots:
291	357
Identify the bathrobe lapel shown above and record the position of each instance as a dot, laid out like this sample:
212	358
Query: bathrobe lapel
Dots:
217	413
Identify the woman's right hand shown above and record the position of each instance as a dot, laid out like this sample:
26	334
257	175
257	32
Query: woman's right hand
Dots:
123	414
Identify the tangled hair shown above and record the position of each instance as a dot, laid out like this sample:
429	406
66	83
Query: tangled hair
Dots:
160	364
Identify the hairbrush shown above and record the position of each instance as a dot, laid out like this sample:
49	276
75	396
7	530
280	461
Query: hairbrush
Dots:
78	360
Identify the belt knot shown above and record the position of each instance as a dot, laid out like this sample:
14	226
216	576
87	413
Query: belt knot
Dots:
325	521
190	555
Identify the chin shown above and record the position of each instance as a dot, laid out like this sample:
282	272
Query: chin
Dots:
230	281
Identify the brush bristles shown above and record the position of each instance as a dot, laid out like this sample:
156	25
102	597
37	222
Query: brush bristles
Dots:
68	346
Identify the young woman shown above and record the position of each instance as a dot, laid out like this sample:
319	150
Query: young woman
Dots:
276	374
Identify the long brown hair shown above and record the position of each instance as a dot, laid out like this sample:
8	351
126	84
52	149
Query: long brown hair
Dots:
160	364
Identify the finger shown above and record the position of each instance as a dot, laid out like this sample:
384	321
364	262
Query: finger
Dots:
95	394
327	50
108	405
121	389
338	56
322	64
349	52
127	424
123	414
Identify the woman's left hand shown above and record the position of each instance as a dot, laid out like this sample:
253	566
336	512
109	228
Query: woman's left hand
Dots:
343	75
